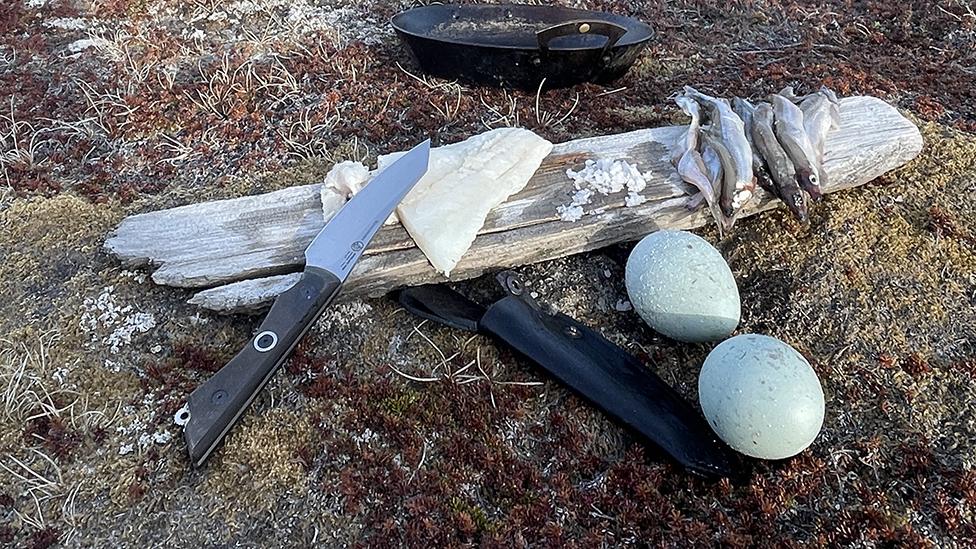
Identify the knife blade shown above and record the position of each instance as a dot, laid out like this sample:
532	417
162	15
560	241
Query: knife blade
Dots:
216	405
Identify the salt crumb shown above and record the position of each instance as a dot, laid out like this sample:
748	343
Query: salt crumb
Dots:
162	437
126	449
608	176
570	213
623	305
634	199
582	197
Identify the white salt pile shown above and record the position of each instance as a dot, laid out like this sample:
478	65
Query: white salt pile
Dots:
606	177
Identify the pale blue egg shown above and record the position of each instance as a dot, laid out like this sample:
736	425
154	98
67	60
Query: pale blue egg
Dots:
682	287
761	396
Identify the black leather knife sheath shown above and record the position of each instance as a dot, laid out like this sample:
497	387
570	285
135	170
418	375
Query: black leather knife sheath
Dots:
588	363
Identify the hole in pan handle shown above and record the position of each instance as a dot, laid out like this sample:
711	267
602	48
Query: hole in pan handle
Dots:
612	31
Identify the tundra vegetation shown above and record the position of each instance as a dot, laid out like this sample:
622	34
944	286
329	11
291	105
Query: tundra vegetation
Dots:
384	430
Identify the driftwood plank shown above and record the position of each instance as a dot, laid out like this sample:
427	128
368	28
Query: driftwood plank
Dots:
251	237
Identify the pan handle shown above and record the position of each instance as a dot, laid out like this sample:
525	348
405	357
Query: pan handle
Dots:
612	31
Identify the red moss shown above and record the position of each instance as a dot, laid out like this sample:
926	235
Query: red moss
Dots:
914	459
944	224
201	359
135	491
55	436
10	16
965	485
42	539
916	365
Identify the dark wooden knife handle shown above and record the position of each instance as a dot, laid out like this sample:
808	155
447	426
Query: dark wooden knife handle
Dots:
217	404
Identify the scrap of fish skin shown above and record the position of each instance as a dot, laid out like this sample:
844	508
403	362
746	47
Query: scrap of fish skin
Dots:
347	177
731	130
689	140
780	166
344	180
332	202
464	182
789	130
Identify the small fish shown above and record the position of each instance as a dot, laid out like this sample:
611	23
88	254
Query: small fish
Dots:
789	130
730	130
780	166
716	175
692	169
746	110
689	140
713	165
821	115
726	196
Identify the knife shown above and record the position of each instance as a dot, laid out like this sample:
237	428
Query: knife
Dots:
216	405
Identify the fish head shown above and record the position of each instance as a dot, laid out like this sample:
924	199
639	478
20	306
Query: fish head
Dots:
810	182
797	204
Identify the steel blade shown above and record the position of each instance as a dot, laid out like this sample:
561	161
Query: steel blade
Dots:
340	244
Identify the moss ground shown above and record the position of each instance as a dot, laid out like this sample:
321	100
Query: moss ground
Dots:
878	291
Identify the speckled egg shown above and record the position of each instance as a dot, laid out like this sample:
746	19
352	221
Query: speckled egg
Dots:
761	396
682	287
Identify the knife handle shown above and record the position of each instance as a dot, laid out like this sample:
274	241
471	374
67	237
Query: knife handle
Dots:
217	404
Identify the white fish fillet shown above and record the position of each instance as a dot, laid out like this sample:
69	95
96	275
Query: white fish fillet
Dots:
465	181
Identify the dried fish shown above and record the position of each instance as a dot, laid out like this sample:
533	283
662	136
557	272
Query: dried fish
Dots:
821	115
726	196
780	166
729	129
688	141
691	167
789	130
746	110
713	165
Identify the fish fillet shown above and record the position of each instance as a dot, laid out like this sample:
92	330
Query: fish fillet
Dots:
464	181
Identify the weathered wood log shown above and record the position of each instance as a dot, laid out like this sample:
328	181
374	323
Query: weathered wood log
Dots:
234	243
